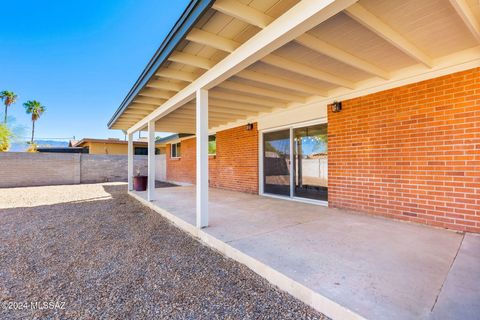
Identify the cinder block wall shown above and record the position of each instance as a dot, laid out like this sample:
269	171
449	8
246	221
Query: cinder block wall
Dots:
20	169
411	153
35	169
104	168
235	166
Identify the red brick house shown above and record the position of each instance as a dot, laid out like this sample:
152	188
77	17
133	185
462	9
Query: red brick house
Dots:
366	105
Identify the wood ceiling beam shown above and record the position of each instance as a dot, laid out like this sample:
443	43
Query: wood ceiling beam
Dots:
242	98
302	69
327	49
177	75
136	112
181	121
141	106
374	24
260	19
150	101
212	40
211	118
125	123
216	110
281	82
191	60
243	12
166	85
468	16
156	93
240	87
191	114
303	16
179	129
238	105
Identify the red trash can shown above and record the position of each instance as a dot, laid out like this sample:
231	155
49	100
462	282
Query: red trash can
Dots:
140	183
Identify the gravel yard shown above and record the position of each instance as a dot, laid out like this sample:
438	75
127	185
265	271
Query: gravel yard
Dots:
93	252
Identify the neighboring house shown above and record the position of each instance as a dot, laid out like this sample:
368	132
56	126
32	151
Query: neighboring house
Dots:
383	96
115	146
62	149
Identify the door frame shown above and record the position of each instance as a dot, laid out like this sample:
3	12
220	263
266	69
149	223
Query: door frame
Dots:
261	178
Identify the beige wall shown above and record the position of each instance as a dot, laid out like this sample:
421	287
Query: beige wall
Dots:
37	169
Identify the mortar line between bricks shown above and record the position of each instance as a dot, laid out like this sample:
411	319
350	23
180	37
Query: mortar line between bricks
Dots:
449	269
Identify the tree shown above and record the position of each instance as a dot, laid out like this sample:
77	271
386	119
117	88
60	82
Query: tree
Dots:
8	98
36	109
5	135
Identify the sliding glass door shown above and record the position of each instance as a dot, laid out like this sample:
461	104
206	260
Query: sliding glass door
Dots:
276	162
295	162
310	154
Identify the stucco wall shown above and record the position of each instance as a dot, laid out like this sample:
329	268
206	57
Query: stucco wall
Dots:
21	169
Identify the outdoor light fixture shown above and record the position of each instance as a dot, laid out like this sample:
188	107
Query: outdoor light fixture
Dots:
336	106
249	126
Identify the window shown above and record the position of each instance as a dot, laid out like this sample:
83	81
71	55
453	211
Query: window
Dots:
175	150
212	145
143	151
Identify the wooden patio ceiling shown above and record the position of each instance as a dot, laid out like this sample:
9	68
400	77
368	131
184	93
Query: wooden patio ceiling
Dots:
369	43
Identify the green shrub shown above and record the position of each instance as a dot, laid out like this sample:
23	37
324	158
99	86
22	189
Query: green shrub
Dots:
5	135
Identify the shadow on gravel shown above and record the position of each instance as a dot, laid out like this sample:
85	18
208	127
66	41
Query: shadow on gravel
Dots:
110	257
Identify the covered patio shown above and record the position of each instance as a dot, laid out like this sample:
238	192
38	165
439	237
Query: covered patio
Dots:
347	265
241	68
231	63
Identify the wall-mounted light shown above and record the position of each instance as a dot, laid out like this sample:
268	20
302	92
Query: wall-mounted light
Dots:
249	126
336	106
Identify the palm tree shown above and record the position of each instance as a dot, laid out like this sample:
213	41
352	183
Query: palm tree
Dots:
8	98
36	109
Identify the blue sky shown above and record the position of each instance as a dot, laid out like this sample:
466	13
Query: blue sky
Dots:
78	58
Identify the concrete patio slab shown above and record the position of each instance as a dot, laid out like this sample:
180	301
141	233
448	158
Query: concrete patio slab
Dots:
460	297
374	267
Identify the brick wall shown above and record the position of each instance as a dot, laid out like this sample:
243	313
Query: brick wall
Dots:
235	166
411	153
20	169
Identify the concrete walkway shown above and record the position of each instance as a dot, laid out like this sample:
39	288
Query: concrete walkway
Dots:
374	267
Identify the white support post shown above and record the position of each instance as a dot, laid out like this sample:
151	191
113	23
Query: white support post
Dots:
130	162
151	161
202	157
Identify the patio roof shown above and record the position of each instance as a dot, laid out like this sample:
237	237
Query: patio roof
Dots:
256	57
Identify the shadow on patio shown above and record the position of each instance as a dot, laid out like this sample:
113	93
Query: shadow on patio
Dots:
377	268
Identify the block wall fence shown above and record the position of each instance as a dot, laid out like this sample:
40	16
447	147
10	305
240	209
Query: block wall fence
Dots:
23	169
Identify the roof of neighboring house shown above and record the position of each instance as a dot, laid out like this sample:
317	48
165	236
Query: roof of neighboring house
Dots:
115	141
62	149
174	137
72	142
112	141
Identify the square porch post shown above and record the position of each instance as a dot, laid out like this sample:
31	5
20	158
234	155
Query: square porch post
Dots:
151	161
202	157
130	162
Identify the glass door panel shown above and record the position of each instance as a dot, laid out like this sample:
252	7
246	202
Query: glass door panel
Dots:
276	162
311	162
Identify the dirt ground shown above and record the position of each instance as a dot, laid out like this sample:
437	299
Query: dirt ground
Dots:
90	251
